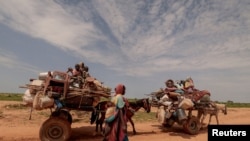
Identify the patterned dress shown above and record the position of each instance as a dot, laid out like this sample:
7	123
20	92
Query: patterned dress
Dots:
116	124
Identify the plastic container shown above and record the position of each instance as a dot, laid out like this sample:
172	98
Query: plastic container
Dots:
181	114
42	75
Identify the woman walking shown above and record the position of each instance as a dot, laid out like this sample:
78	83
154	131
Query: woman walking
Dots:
116	123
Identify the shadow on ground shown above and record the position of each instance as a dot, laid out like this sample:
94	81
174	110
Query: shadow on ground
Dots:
177	130
85	133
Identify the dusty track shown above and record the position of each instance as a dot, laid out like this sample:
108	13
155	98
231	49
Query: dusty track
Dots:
15	126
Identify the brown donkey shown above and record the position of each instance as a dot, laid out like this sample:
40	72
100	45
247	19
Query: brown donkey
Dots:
133	107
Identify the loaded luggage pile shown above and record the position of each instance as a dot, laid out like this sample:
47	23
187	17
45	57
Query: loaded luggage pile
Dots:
60	92
177	106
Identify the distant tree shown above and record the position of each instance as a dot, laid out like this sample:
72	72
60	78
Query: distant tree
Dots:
230	102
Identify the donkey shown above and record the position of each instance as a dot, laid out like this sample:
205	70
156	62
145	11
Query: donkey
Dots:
133	107
100	109
212	111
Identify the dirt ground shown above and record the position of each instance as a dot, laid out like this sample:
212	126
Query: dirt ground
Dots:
16	126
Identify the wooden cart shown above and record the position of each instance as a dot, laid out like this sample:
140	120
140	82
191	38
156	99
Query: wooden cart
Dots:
57	93
182	116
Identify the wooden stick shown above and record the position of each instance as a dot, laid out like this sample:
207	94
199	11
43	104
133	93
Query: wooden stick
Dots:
31	109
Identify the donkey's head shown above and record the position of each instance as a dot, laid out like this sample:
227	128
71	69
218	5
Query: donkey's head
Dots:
222	107
146	105
140	103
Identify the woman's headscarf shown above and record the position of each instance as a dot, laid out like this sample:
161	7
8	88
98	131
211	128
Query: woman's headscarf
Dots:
120	89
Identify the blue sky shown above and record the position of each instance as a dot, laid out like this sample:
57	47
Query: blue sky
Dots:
140	43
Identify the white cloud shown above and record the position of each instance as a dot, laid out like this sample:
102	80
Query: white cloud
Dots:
169	35
208	39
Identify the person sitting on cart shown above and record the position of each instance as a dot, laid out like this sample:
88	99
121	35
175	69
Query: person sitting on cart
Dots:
172	90
172	93
195	94
76	75
180	86
84	70
76	71
189	85
85	73
82	66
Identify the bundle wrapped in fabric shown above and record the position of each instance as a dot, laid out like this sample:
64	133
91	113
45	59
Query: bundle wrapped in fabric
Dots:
101	87
28	98
34	85
202	96
43	75
161	114
32	88
96	85
109	112
42	101
186	103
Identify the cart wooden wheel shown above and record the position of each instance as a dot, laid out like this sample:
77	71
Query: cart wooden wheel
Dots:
63	114
192	125
55	129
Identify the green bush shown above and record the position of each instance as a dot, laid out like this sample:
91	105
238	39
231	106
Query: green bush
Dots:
11	96
238	105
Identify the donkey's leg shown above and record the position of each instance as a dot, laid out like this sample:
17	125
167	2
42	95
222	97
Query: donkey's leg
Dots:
199	114
210	116
217	120
96	129
133	126
102	120
101	123
202	120
96	124
101	126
